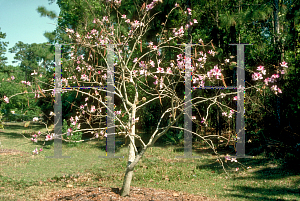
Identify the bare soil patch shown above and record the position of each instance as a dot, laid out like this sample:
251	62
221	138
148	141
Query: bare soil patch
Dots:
111	194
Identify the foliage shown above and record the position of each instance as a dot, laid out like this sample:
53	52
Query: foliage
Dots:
74	136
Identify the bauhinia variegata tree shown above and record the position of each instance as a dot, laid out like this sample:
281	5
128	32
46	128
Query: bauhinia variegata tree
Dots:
141	76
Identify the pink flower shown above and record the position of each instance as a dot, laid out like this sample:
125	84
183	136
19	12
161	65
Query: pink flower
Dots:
78	126
176	5
195	21
152	63
12	77
127	21
161	82
6	99
86	99
34	139
41	149
39	132
156	80
235	98
169	71
74	123
267	80
96	135
160	70
143	71
105	18
81	107
193	117
284	64
35	152
93	108
189	11
236	169
48	137
69	132
203	120
275	76
224	114
135	60
260	68
94	21
34	135
257	76
123	17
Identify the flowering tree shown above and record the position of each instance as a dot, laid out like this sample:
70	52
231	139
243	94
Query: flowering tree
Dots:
141	78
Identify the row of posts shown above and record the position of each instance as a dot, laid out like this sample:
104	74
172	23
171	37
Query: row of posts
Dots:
110	145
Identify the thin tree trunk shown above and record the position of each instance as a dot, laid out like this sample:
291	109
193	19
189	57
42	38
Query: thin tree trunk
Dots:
129	173
131	156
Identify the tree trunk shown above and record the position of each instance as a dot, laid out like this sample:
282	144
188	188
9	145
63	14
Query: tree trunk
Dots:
131	156
127	180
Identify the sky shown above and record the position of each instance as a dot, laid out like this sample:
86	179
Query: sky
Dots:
20	21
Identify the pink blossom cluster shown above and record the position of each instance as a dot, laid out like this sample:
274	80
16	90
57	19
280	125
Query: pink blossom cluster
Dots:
118	112
212	52
152	4
179	33
214	72
136	24
36	95
27	83
272	79
84	77
199	79
35	152
229	115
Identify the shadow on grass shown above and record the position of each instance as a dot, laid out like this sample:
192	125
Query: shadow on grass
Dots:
264	192
18	128
263	170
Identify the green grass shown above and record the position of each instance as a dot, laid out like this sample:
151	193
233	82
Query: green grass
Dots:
28	177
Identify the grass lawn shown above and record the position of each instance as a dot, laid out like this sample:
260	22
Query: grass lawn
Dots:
27	177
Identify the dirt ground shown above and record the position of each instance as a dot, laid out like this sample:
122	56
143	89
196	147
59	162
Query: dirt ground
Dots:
112	194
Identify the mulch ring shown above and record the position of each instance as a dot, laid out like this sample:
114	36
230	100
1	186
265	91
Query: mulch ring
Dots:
112	194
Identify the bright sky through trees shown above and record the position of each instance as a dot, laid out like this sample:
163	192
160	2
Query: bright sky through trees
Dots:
20	21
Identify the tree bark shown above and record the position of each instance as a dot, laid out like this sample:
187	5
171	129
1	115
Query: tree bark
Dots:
128	177
131	156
